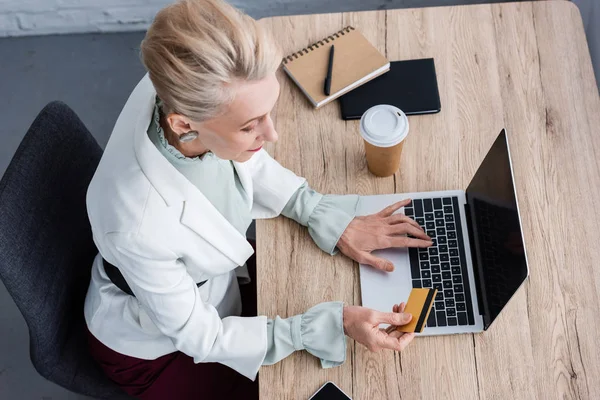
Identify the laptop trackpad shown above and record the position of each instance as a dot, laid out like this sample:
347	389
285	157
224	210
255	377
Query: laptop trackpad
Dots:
381	290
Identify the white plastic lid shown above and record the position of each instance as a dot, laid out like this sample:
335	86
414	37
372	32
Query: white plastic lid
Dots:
384	125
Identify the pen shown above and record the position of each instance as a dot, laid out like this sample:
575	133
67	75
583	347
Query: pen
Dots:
327	87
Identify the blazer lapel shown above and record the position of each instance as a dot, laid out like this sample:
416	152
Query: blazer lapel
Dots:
202	217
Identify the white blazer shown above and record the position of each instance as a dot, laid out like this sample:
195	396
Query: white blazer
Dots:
164	236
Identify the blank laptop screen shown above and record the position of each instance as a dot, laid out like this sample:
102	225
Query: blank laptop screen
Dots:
499	252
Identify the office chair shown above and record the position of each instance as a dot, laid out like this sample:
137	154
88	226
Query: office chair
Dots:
46	247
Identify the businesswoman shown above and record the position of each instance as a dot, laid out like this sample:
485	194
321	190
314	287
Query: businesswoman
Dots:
182	177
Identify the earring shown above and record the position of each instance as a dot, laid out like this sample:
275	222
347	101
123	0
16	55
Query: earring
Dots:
188	136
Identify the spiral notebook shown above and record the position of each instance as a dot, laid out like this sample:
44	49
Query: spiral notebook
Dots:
356	61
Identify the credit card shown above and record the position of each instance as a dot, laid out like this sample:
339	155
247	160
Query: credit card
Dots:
419	305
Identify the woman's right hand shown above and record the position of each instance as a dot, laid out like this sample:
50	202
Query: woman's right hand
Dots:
362	325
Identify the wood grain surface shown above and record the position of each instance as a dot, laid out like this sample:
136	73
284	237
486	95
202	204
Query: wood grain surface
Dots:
520	66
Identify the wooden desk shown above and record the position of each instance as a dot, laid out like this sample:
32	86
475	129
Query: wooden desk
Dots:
523	66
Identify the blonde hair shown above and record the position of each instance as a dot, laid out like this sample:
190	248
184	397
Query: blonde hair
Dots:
195	50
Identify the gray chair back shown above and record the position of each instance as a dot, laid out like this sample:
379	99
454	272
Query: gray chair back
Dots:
46	246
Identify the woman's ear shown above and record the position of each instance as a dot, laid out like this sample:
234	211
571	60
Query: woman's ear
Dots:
178	124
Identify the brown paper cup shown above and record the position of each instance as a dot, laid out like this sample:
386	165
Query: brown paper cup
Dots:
383	161
383	129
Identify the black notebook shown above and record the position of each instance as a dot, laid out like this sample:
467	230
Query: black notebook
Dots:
410	85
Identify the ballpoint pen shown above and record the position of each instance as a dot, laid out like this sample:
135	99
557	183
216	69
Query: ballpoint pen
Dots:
327	88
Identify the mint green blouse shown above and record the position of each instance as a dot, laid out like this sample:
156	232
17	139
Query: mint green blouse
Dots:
319	330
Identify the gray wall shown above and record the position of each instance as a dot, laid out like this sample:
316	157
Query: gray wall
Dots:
39	17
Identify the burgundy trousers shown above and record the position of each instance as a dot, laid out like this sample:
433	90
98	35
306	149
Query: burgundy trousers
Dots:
175	376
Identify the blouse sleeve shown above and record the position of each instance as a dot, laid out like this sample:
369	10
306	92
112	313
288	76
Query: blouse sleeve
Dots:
320	331
327	216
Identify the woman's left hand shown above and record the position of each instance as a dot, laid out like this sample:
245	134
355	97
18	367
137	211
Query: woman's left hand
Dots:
362	325
381	231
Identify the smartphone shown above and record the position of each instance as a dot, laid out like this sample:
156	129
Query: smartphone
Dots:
329	391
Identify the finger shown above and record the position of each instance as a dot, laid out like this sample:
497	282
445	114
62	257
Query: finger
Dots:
396	343
389	210
393	318
401	307
375	262
403	338
398	308
395	333
400	241
405	228
400	218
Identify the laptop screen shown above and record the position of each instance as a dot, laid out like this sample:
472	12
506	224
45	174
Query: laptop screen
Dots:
495	230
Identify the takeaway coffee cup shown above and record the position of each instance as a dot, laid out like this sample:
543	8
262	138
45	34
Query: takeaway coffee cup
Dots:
383	129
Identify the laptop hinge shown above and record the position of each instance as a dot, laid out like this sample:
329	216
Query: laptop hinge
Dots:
478	271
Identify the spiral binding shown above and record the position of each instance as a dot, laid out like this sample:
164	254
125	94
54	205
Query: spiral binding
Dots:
316	45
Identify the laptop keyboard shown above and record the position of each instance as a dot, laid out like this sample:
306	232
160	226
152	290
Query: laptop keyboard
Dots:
442	266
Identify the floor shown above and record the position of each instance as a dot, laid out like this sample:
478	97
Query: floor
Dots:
94	74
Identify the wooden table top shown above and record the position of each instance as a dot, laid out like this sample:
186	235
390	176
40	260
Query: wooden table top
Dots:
520	66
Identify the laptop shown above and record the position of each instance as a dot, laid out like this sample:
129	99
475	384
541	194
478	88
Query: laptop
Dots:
477	261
